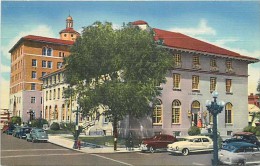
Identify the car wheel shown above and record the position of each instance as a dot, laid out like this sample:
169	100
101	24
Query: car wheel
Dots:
33	140
185	151
242	162
151	149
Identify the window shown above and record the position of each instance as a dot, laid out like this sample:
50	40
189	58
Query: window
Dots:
34	74
176	81
157	112
33	100
177	60
46	95
50	64
33	86
54	94
50	95
228	85
44	51
228	64
58	93
195	60
213	83
43	74
176	110
59	54
49	52
195	82
213	62
228	113
34	62
59	65
44	64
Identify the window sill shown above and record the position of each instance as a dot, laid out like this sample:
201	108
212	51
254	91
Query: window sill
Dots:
176	123
157	124
229	93
229	124
196	90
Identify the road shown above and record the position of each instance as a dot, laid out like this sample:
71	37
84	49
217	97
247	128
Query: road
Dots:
15	151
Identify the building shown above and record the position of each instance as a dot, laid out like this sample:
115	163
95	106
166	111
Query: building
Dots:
252	111
5	117
254	99
31	58
199	69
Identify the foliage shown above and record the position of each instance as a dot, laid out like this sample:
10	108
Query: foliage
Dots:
55	126
38	122
71	127
194	130
253	129
16	120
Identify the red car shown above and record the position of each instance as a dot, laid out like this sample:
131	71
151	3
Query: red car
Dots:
157	142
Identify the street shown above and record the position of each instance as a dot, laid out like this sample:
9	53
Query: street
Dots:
15	151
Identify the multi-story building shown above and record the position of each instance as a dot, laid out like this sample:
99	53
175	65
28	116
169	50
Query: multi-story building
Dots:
31	58
254	99
199	69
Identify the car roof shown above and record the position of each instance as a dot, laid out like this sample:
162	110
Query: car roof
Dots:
241	144
243	133
196	136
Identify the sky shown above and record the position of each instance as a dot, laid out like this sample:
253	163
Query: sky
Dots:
234	25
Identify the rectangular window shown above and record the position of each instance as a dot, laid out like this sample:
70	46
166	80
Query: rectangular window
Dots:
33	100
228	116
59	65
177	60
195	60
49	64
54	94
46	95
50	95
195	82
213	83
34	74
58	93
44	64
228	85
43	74
228	64
213	62
176	81
33	86
34	63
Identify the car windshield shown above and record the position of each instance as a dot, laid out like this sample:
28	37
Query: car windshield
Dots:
228	148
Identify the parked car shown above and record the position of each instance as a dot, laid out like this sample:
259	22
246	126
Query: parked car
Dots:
37	135
210	135
157	142
239	153
243	137
23	131
16	130
191	144
10	130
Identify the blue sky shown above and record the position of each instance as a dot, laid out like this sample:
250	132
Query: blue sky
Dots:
234	25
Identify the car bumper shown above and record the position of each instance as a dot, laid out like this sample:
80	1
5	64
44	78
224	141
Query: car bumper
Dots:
143	147
173	150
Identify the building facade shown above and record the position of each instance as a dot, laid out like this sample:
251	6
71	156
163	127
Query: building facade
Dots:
31	58
199	68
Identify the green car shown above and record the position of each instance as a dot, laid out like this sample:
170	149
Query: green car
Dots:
37	135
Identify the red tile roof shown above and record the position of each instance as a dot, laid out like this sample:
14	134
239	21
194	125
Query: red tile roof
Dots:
69	30
139	22
44	40
178	40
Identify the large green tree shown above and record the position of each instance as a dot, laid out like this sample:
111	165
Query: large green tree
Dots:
117	69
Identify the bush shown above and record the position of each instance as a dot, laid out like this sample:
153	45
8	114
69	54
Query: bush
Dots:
194	130
16	120
251	129
55	126
39	122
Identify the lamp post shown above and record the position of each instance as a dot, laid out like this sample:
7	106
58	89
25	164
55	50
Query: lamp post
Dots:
215	108
31	113
75	146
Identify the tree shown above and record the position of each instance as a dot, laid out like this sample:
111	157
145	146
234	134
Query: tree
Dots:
16	120
118	69
38	122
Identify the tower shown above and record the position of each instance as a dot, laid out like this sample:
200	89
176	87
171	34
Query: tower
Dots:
69	33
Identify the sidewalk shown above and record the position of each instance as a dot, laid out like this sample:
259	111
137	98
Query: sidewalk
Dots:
68	143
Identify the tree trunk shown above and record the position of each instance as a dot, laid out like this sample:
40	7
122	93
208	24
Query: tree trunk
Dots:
115	133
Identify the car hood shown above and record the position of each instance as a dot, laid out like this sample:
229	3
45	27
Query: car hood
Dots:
179	143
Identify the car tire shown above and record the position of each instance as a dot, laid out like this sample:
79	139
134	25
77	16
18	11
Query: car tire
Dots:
242	162
33	140
151	149
185	152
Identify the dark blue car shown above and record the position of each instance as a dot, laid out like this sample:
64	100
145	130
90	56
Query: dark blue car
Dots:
23	131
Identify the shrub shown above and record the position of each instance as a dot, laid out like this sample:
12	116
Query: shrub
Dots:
55	126
194	130
16	120
39	122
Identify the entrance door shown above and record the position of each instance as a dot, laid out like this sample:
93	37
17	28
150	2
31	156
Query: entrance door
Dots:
195	108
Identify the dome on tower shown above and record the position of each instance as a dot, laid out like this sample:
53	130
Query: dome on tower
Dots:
69	18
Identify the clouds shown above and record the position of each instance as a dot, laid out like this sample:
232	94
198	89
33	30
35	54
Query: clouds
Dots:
202	29
40	30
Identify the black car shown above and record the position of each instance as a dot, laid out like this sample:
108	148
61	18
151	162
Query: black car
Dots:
16	131
243	137
10	129
23	131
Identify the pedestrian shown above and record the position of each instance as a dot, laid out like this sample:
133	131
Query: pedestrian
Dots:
79	144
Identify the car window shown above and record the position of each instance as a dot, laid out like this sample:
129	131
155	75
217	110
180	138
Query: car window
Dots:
197	140
240	150
205	140
228	148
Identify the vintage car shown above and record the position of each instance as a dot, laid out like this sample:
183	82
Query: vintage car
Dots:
239	153
23	131
191	144
243	137
157	142
37	135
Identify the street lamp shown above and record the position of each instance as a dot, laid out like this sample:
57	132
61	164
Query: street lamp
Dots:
75	146
215	108
31	113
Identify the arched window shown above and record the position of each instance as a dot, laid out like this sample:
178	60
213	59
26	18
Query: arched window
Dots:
46	113
56	114
44	51
195	108
49	52
50	113
176	111
228	113
63	112
157	112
